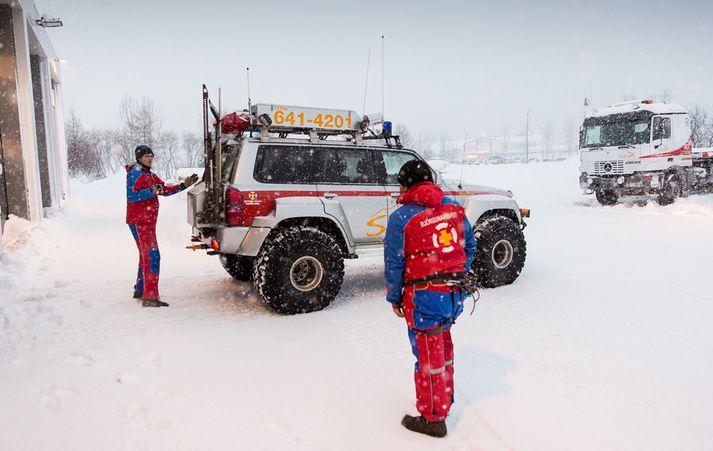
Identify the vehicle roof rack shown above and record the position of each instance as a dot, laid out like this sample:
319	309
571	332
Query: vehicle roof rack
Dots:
318	123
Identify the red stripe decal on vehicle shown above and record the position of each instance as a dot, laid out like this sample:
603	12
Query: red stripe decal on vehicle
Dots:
686	149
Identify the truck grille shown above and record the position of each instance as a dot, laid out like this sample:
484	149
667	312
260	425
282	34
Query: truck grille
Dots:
608	167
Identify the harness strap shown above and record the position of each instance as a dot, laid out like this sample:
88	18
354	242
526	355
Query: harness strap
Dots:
442	279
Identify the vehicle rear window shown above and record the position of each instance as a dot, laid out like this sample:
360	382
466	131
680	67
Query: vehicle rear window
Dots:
284	164
346	166
230	155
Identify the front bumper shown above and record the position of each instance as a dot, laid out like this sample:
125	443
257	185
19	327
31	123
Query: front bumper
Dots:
629	184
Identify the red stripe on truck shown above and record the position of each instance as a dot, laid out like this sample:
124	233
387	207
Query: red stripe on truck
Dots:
686	149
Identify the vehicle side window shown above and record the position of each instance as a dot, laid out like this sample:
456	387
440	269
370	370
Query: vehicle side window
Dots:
350	166
662	128
390	163
284	164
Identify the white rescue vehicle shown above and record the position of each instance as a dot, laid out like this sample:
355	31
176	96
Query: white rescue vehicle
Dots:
641	148
289	192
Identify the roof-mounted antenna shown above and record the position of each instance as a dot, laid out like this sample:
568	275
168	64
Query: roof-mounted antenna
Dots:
382	76
462	162
247	70
366	82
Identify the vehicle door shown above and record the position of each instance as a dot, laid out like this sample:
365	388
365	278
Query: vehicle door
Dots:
663	151
388	164
347	183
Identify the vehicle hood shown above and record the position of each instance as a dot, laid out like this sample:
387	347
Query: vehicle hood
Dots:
451	188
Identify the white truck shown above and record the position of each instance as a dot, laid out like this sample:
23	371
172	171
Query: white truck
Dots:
641	148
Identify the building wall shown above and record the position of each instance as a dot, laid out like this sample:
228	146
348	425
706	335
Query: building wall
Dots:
33	151
10	126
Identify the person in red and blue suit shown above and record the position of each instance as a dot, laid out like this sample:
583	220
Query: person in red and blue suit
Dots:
142	190
428	243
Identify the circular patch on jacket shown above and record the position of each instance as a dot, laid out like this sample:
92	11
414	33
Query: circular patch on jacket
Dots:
445	239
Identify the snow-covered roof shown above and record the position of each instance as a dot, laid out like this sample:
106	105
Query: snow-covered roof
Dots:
639	105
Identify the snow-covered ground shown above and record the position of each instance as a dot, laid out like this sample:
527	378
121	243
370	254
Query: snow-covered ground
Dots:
604	342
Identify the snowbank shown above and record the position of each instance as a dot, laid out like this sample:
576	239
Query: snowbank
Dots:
15	232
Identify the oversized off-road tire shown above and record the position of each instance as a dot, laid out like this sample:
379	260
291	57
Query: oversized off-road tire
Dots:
501	251
240	267
298	270
670	191
607	197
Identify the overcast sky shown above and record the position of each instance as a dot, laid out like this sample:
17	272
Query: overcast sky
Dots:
458	66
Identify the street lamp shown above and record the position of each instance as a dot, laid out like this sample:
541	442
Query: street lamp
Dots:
47	21
527	137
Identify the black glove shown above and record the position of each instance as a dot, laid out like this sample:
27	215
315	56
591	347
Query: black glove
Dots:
190	180
157	189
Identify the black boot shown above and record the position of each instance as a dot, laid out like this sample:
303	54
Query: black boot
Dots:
137	295
153	303
419	424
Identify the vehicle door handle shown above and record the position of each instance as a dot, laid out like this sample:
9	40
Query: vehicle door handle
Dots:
394	195
329	195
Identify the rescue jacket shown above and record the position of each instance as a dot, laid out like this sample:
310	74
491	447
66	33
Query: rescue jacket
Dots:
141	202
428	235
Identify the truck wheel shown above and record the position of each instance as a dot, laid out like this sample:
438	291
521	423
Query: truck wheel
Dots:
240	267
299	270
670	191
607	197
501	251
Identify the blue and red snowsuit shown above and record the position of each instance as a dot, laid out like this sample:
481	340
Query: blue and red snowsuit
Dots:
141	216
428	235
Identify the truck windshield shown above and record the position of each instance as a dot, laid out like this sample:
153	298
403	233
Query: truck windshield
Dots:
615	134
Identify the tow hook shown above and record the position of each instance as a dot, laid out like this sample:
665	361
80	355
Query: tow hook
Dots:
198	247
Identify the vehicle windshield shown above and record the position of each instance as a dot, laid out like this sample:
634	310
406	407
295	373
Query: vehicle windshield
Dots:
616	134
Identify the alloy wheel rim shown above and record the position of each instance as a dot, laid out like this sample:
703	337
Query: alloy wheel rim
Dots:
306	273
502	254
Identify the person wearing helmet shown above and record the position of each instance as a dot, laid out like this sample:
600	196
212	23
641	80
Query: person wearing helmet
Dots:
429	244
142	190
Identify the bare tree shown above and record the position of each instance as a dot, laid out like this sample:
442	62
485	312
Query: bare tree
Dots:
168	159
570	135
701	127
192	145
666	95
404	135
141	125
82	156
424	144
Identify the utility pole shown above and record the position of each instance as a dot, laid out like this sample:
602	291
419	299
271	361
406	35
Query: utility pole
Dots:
527	136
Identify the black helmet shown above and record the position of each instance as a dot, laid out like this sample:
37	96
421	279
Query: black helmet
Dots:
413	172
142	150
